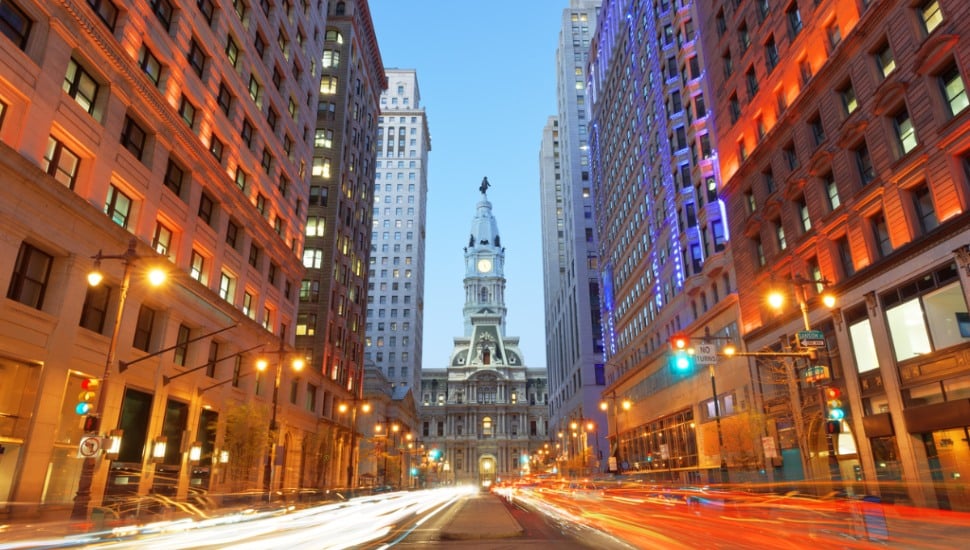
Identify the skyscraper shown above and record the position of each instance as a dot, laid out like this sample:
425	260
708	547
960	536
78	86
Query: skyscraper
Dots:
574	335
330	326
665	263
395	296
843	137
174	134
485	414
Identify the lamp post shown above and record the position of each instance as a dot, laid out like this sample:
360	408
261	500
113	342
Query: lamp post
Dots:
354	450
270	469
156	277
625	404
777	300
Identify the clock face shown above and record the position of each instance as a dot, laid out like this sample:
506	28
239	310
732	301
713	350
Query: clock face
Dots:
484	265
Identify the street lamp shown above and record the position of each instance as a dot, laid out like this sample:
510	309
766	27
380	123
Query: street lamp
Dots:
262	365
626	405
352	465
776	300
156	277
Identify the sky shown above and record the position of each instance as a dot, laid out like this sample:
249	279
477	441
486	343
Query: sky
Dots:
487	77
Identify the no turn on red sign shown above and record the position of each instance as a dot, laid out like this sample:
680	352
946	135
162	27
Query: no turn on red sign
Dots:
89	447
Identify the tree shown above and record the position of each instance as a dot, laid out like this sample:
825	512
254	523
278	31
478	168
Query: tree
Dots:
247	434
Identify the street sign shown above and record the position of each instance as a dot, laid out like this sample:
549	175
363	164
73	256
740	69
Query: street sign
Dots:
89	446
768	443
705	354
612	464
811	339
816	373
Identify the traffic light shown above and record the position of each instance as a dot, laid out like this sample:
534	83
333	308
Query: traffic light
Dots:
833	427
85	399
682	356
679	342
90	423
834	404
435	454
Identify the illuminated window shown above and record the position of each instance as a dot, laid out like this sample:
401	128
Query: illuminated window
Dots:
118	206
60	162
954	90
81	86
905	132
930	15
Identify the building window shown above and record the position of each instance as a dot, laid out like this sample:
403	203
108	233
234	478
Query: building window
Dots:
831	192
771	54
880	232
133	138
31	274
905	132
94	312
849	101
780	235
791	157
845	256
232	51
331	58
759	252
313	258
143	328
254	255
920	313
224	98
181	345
925	212
196	57
14	23
150	65
60	162
187	111
163	10
752	81
930	15
216	147
174	176
207	9
954	91
328	85
107	12
118	206
818	130
794	20
81	86
248	308
885	61
246	133
197	266
863	162
834	34
316	226
206	209
803	214
306	324
162	240
227	287
232	234
735	108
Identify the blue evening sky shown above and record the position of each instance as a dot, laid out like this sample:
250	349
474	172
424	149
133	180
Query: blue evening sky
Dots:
487	76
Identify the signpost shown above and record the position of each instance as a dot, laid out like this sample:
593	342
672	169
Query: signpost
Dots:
89	446
811	339
705	354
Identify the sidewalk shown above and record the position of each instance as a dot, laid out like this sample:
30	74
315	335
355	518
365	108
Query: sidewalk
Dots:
482	516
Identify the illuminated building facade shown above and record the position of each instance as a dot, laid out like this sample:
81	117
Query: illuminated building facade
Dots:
485	415
844	144
395	296
664	259
574	340
181	129
330	325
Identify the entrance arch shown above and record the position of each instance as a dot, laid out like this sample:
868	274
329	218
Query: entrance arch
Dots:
487	465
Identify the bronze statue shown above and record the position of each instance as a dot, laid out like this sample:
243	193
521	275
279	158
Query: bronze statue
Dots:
485	185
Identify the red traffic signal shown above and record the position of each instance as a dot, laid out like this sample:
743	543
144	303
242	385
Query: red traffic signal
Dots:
833	427
679	341
832	393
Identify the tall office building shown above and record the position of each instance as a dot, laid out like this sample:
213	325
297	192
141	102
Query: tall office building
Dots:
574	336
845	156
663	248
395	291
330	326
167	133
485	415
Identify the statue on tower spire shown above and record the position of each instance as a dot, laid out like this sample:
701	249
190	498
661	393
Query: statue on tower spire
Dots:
485	185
